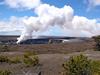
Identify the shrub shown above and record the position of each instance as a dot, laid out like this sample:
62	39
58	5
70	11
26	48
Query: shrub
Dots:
35	59
14	60
4	48
30	59
5	72
97	40
78	65
3	58
9	60
29	53
96	67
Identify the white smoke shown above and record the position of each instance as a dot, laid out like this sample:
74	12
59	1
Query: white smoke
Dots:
48	16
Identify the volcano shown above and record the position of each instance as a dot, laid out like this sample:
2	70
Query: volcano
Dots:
11	39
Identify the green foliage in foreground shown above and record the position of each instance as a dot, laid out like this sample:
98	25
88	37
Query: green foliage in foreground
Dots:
30	59
15	60
81	65
5	72
6	59
4	48
96	67
3	59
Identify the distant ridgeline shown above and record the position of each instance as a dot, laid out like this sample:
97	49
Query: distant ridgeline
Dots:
42	40
8	39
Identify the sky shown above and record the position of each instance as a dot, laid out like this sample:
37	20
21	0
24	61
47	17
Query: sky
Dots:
50	17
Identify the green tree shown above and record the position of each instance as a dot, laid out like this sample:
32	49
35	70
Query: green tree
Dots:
97	40
78	65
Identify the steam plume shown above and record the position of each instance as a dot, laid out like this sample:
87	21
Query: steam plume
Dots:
48	16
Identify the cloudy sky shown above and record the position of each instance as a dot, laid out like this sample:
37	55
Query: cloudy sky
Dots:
50	17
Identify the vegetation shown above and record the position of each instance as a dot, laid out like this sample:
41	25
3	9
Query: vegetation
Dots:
4	48
3	58
5	72
97	40
15	60
96	67
29	53
81	65
9	60
30	59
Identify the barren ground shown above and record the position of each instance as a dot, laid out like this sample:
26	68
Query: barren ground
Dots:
51	57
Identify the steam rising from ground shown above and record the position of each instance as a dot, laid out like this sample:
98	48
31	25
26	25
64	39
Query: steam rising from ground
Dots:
48	16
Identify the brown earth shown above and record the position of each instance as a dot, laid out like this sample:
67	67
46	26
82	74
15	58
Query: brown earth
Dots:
54	48
51	56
